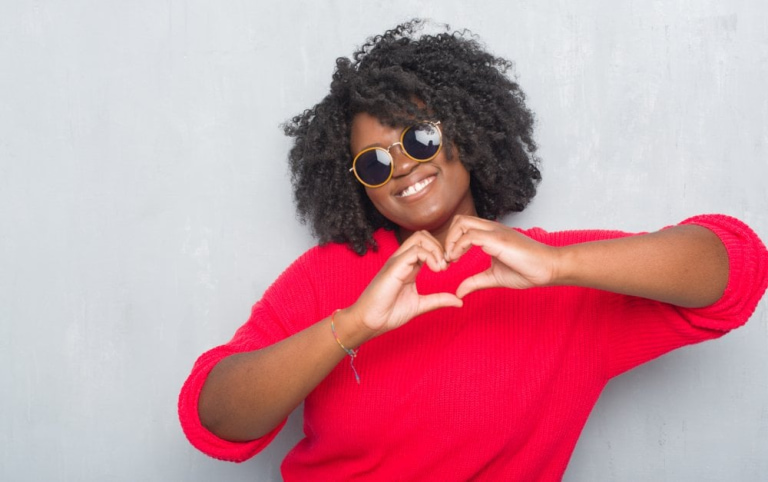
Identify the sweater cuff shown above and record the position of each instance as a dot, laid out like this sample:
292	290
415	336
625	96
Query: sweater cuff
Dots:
747	274
200	437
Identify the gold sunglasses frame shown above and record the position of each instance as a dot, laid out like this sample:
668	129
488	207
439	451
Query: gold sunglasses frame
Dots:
436	125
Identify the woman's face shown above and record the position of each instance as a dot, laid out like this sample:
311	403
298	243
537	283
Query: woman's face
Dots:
420	195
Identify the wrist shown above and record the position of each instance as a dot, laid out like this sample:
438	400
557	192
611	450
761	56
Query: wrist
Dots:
563	266
350	328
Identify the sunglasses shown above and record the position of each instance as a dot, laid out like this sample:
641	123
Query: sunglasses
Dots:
421	142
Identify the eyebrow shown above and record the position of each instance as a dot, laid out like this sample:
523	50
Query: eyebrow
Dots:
377	144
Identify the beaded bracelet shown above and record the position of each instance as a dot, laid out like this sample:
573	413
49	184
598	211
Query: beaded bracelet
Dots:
352	353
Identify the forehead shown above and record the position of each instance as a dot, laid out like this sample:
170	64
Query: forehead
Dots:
368	131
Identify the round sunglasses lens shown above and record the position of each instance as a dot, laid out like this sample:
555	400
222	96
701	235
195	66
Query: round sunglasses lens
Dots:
374	166
422	141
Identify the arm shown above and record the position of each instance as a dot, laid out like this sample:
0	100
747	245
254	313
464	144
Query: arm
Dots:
689	283
247	395
685	265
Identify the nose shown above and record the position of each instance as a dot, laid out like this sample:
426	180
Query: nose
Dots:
403	165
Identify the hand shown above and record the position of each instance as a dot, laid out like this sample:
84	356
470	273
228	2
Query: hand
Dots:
516	260
391	299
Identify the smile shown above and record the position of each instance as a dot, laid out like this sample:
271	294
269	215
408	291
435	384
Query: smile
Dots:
415	188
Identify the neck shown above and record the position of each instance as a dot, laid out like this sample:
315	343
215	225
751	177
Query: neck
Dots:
439	232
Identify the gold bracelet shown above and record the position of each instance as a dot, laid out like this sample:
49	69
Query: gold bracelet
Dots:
352	353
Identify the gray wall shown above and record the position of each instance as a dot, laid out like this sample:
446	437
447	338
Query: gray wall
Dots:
145	205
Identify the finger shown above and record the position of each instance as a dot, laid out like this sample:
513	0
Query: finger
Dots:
435	247
460	227
426	241
434	301
490	241
480	281
433	258
422	237
408	264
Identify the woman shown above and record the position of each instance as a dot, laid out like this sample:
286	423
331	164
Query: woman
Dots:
474	350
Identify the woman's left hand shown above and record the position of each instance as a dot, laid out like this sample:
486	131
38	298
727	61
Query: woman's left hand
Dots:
516	260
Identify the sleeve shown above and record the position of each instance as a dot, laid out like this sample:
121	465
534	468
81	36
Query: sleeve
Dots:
287	306
638	330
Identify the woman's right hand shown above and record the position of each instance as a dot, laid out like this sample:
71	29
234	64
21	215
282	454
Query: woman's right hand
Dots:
248	394
391	299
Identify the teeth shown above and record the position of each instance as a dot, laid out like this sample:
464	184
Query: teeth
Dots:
411	190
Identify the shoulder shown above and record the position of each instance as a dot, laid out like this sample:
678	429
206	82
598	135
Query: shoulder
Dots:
338	259
324	276
728	228
340	253
567	237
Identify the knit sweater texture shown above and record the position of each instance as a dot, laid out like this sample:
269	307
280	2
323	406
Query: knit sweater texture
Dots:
499	389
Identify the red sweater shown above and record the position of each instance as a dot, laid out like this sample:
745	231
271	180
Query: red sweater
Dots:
496	390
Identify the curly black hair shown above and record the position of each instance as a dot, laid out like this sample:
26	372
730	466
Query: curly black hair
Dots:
399	76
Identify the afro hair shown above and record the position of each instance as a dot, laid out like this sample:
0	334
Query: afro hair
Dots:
399	76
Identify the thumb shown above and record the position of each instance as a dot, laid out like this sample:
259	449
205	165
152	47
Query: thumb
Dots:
477	282
439	300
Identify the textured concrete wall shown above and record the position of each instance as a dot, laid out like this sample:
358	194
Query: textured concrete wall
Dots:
145	205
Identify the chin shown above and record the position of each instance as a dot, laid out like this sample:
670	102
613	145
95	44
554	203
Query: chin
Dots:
430	223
